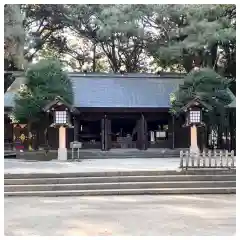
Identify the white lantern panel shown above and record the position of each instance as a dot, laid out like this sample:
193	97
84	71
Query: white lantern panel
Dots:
195	116
61	117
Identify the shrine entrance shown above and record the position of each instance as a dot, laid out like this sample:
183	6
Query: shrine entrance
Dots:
123	133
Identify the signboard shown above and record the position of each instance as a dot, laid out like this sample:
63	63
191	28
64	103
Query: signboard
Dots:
75	145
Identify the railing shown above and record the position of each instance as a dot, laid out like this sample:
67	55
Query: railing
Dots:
210	159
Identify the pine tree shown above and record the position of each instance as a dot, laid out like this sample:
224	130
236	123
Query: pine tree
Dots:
209	87
45	81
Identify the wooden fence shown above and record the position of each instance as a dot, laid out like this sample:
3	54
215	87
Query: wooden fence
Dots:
210	159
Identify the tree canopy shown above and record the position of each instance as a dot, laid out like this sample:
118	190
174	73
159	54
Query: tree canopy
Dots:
45	81
139	38
208	86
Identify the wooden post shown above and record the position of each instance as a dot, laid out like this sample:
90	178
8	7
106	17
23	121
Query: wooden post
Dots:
103	134
232	156
209	158
72	152
198	160
221	160
215	157
204	158
173	131
226	156
181	159
187	159
192	155
76	128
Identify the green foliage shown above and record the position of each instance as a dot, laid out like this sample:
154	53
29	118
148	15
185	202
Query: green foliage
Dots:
129	36
209	87
45	81
194	33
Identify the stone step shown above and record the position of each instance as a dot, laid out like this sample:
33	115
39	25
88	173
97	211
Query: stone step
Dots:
120	173
98	154
135	155
219	190
125	185
9	154
115	179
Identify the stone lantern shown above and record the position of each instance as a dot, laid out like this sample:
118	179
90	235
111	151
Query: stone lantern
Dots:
62	112
193	113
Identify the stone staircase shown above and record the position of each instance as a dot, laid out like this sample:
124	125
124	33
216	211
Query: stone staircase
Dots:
129	153
121	183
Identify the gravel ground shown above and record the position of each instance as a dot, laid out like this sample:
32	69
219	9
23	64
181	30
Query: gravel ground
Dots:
164	215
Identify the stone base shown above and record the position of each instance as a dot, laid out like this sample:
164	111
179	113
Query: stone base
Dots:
62	154
194	150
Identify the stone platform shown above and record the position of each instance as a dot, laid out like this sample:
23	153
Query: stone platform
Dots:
90	165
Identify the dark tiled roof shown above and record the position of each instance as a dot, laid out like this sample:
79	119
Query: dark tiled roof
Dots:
116	90
131	91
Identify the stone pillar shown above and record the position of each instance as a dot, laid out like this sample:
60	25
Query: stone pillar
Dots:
194	146
62	150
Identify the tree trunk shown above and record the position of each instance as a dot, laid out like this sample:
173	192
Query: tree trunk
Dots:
188	63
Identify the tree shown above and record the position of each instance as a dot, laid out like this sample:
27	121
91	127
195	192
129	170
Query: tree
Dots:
194	35
74	52
210	88
205	84
39	24
114	29
176	36
41	77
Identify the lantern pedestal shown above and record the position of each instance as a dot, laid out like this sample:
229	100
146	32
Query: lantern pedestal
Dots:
62	150
194	146
62	154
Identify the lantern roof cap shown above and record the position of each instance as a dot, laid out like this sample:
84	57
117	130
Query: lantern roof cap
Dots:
57	100
196	102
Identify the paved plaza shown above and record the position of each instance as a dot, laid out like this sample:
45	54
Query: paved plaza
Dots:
212	215
90	165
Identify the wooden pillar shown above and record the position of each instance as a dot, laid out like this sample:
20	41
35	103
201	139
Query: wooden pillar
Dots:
108	131
76	129
106	136
142	133
173	131
103	133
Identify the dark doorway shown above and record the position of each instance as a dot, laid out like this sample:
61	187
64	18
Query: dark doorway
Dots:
158	133
90	133
123	133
